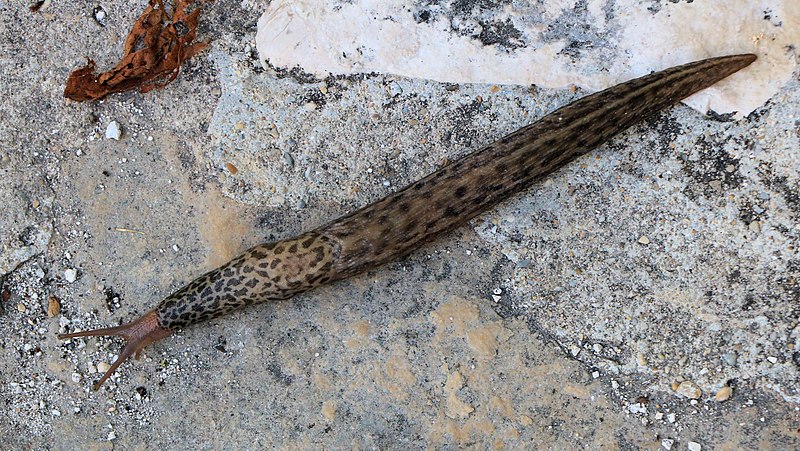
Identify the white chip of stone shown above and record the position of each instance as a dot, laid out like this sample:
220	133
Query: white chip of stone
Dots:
694	446
71	275
637	408
76	377
772	360
597	348
113	131
595	374
667	443
659	415
671	417
496	298
644	240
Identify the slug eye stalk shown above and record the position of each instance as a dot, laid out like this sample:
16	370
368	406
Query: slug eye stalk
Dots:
138	334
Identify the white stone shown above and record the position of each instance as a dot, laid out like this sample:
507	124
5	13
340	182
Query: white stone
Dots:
113	131
70	275
362	36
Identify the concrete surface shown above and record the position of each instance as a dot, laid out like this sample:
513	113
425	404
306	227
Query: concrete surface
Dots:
578	314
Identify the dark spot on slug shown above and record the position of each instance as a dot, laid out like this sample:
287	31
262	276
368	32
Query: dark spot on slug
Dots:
319	254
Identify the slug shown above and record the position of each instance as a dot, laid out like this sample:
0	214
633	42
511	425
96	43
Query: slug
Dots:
405	220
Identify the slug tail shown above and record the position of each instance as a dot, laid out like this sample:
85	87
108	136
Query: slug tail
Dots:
138	334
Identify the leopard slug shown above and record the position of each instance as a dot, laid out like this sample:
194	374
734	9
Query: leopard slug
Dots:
410	217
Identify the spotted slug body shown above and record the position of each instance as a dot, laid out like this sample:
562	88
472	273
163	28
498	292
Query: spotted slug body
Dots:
408	218
271	271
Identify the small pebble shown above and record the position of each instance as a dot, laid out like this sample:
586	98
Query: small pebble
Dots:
231	168
21	307
729	358
755	226
113	131
763	196
637	408
71	275
288	160
694	446
394	89
53	307
772	360
667	443
723	394
597	348
644	240
103	367
671	418
76	377
689	389
99	15
659	415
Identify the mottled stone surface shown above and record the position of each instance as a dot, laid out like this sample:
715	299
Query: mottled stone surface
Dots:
578	314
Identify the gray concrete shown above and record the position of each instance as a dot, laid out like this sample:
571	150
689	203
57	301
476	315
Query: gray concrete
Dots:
565	318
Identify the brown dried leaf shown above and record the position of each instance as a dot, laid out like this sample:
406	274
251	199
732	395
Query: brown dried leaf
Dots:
154	51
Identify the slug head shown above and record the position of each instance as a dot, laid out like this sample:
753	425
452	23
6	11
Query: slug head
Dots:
138	334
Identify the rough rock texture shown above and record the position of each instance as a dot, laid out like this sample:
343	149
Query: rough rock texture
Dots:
583	313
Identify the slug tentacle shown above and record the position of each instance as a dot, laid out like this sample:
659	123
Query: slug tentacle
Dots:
407	219
138	334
